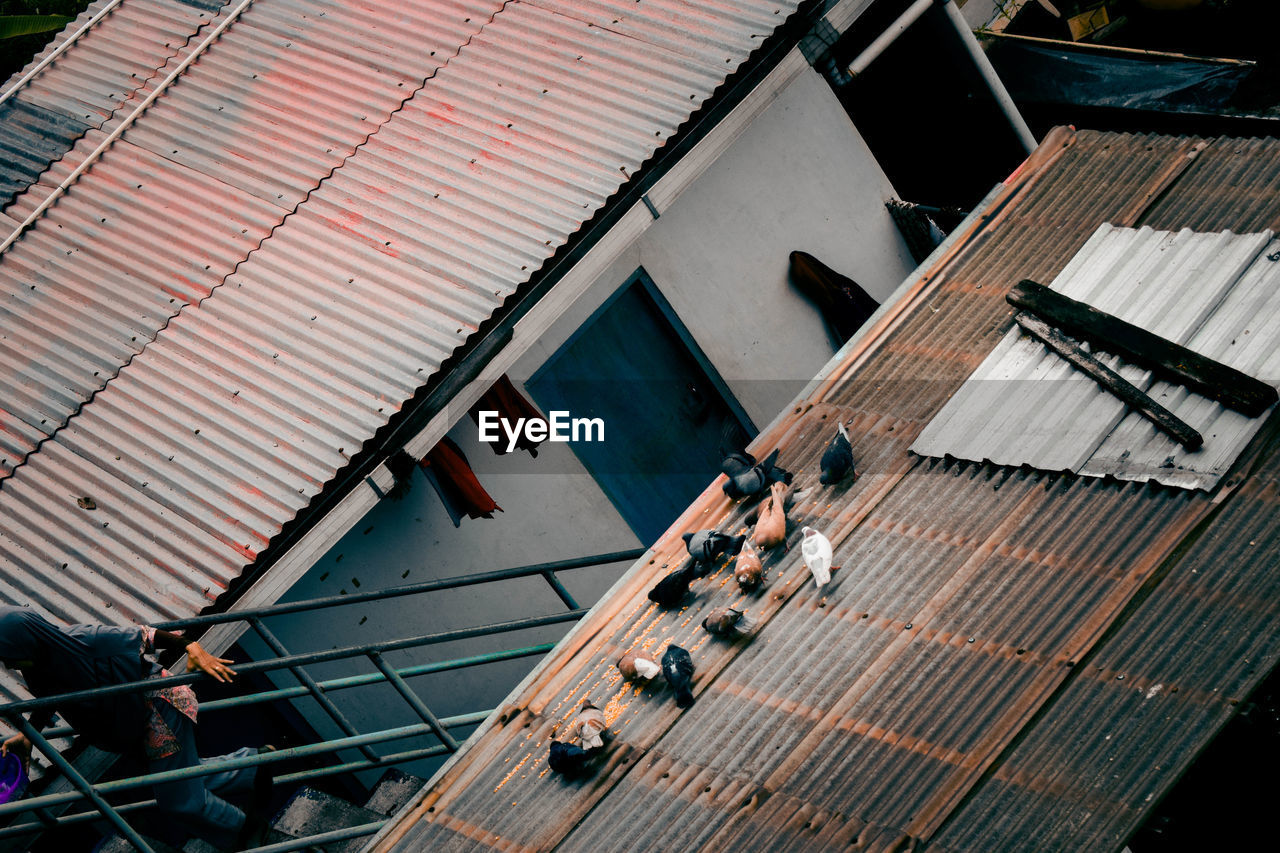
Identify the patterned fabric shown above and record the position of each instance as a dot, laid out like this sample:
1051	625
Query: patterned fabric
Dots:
159	740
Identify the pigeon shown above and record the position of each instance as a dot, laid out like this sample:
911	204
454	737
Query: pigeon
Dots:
673	588
567	758
588	726
706	545
748	571
791	497
677	668
637	666
736	463
727	622
771	528
816	550
837	459
754	480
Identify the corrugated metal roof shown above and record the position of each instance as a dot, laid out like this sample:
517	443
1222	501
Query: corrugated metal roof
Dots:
1168	697
1025	405
107	54
955	686
286	245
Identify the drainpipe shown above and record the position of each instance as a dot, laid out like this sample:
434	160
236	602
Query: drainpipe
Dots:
889	36
989	76
980	62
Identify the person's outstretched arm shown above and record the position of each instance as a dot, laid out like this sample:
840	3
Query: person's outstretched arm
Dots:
197	657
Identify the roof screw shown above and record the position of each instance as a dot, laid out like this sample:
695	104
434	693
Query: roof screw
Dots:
971	639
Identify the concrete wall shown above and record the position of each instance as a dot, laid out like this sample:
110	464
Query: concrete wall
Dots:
799	177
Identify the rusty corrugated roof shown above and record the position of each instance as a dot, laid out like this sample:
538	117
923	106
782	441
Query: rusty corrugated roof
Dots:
286	216
958	685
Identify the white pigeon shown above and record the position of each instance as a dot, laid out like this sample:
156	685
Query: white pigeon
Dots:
816	549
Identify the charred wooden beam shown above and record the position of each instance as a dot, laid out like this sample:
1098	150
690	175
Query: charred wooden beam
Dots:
1130	394
1169	361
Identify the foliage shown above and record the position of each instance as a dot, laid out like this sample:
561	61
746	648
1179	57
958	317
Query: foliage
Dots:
12	26
17	49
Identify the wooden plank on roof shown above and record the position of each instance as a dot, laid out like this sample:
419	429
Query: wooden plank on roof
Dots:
1133	396
1171	361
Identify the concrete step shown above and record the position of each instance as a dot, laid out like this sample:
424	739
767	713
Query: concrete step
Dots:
311	812
393	790
199	845
118	844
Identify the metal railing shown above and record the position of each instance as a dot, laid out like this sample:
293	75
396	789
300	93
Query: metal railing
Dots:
308	687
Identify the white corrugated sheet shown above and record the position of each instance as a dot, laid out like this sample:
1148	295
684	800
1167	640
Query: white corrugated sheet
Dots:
1217	294
251	281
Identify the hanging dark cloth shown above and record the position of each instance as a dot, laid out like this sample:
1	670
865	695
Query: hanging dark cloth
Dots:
80	657
450	474
503	398
844	305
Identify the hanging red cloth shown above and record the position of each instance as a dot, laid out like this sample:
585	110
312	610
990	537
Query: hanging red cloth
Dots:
447	468
503	398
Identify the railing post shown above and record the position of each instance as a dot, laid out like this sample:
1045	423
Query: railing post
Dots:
560	590
81	784
414	702
307	686
316	691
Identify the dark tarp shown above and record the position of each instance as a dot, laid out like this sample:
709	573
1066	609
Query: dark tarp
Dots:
1068	74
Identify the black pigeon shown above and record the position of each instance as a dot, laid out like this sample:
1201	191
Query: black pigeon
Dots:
677	668
706	545
757	478
837	459
672	589
568	758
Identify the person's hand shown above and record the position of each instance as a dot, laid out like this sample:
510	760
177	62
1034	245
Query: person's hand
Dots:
20	746
199	659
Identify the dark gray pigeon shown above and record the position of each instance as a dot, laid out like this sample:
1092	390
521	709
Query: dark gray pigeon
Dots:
754	480
837	459
735	463
707	545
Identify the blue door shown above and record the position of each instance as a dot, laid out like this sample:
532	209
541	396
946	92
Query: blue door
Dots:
668	417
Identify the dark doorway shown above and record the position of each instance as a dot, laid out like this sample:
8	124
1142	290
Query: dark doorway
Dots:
668	416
